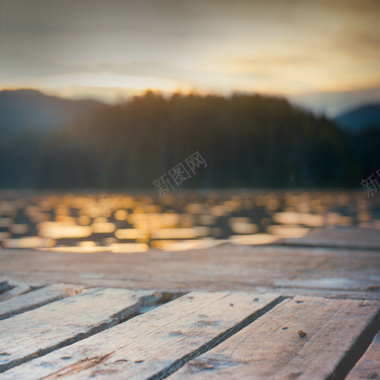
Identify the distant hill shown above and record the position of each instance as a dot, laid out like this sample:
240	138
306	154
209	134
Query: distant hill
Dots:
360	118
22	110
247	141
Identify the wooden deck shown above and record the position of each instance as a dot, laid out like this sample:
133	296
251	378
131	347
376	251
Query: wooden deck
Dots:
300	309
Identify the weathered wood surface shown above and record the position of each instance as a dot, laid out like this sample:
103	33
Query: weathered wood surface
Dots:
220	335
368	367
220	268
306	338
340	237
36	298
15	291
155	343
37	332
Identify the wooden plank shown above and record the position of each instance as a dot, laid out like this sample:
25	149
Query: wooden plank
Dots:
63	322
36	298
215	269
16	291
154	343
306	337
339	237
326	293
368	367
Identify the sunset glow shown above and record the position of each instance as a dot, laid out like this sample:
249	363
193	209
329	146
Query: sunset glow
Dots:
112	50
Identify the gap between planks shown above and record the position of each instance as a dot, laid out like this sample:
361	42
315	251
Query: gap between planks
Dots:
306	337
368	367
99	364
15	291
37	298
57	324
154	344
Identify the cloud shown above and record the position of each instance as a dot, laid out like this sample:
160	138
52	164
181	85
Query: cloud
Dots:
220	45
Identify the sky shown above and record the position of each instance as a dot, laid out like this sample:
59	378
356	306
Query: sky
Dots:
321	53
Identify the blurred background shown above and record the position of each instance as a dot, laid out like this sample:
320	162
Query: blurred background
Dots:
100	99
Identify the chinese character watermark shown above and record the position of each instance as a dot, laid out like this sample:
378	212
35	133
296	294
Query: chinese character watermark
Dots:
163	185
371	184
179	174
195	161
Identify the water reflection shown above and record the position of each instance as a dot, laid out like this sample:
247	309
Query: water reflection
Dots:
133	223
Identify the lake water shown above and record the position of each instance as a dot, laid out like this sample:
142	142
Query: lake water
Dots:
133	222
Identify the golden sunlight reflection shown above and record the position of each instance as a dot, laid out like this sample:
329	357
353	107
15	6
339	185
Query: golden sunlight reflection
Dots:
19	229
121	215
129	247
131	233
288	231
57	230
180	233
243	226
184	245
253	239
93	222
76	249
29	242
103	227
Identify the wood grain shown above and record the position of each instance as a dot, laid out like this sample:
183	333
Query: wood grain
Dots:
339	237
36	298
16	291
37	332
306	337
215	269
152	344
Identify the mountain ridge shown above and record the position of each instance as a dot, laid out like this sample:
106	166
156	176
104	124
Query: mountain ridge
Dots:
26	109
361	117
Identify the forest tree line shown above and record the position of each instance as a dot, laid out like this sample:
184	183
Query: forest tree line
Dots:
246	140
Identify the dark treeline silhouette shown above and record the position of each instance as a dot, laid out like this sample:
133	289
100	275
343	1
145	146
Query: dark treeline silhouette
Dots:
246	140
